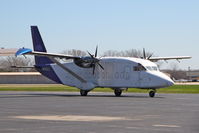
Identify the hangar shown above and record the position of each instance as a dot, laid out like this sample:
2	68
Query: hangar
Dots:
24	78
193	75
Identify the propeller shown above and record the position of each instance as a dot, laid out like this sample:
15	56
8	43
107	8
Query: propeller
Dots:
146	57
95	60
144	53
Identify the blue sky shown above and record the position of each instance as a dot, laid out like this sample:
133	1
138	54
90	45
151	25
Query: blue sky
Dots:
169	27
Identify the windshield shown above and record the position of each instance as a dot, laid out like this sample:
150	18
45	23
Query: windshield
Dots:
139	67
152	68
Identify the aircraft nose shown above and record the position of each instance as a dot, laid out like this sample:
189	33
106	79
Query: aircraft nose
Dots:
162	80
169	82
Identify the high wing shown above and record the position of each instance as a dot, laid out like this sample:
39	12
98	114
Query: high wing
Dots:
154	59
26	51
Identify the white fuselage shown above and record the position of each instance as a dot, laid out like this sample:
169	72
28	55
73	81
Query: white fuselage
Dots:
119	72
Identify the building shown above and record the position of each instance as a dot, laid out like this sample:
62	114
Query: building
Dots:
7	51
193	75
23	78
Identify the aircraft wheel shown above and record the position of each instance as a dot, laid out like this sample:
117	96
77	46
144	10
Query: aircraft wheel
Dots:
152	93
83	93
118	92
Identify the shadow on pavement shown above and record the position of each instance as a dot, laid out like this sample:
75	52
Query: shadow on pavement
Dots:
32	94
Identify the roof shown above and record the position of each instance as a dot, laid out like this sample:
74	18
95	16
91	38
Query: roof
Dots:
18	73
6	52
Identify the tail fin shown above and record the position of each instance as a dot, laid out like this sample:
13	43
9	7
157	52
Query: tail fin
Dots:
38	45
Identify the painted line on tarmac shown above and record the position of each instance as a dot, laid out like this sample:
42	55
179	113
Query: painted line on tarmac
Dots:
72	118
174	126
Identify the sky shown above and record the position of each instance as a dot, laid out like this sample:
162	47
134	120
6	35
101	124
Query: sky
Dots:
164	27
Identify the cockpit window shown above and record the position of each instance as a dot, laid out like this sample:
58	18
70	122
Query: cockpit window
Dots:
139	67
152	68
155	68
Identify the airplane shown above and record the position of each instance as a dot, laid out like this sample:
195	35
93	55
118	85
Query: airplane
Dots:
89	72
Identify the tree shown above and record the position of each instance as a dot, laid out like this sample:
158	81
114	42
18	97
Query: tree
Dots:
175	72
74	52
126	53
7	62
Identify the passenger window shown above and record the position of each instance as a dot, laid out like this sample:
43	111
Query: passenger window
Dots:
139	67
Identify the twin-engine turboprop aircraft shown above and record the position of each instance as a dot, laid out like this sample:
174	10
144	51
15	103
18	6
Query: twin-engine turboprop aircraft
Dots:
89	72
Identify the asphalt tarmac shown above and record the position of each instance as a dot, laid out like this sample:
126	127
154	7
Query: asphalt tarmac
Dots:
66	112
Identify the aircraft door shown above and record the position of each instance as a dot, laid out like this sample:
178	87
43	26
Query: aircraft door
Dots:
138	75
144	79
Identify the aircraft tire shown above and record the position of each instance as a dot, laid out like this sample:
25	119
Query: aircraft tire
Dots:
117	92
83	93
152	93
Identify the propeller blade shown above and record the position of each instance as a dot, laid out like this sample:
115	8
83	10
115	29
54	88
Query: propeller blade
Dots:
149	56
96	51
144	54
95	60
90	54
93	69
100	66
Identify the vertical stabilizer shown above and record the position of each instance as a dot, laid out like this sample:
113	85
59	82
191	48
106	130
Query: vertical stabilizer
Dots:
38	45
42	64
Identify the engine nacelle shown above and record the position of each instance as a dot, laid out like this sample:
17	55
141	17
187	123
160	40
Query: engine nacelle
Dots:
85	63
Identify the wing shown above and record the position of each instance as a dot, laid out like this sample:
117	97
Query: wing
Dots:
26	51
154	59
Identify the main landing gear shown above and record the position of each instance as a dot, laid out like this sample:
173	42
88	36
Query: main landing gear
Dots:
152	93
83	92
117	92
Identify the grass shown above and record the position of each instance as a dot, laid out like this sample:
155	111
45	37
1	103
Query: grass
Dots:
194	89
181	89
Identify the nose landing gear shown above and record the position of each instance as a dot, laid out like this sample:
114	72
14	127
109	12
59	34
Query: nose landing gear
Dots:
152	93
83	92
117	92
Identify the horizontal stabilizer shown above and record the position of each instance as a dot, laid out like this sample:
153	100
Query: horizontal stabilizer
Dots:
23	51
27	51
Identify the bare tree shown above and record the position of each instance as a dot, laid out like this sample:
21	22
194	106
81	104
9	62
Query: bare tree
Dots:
74	52
175	72
126	53
7	62
111	53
